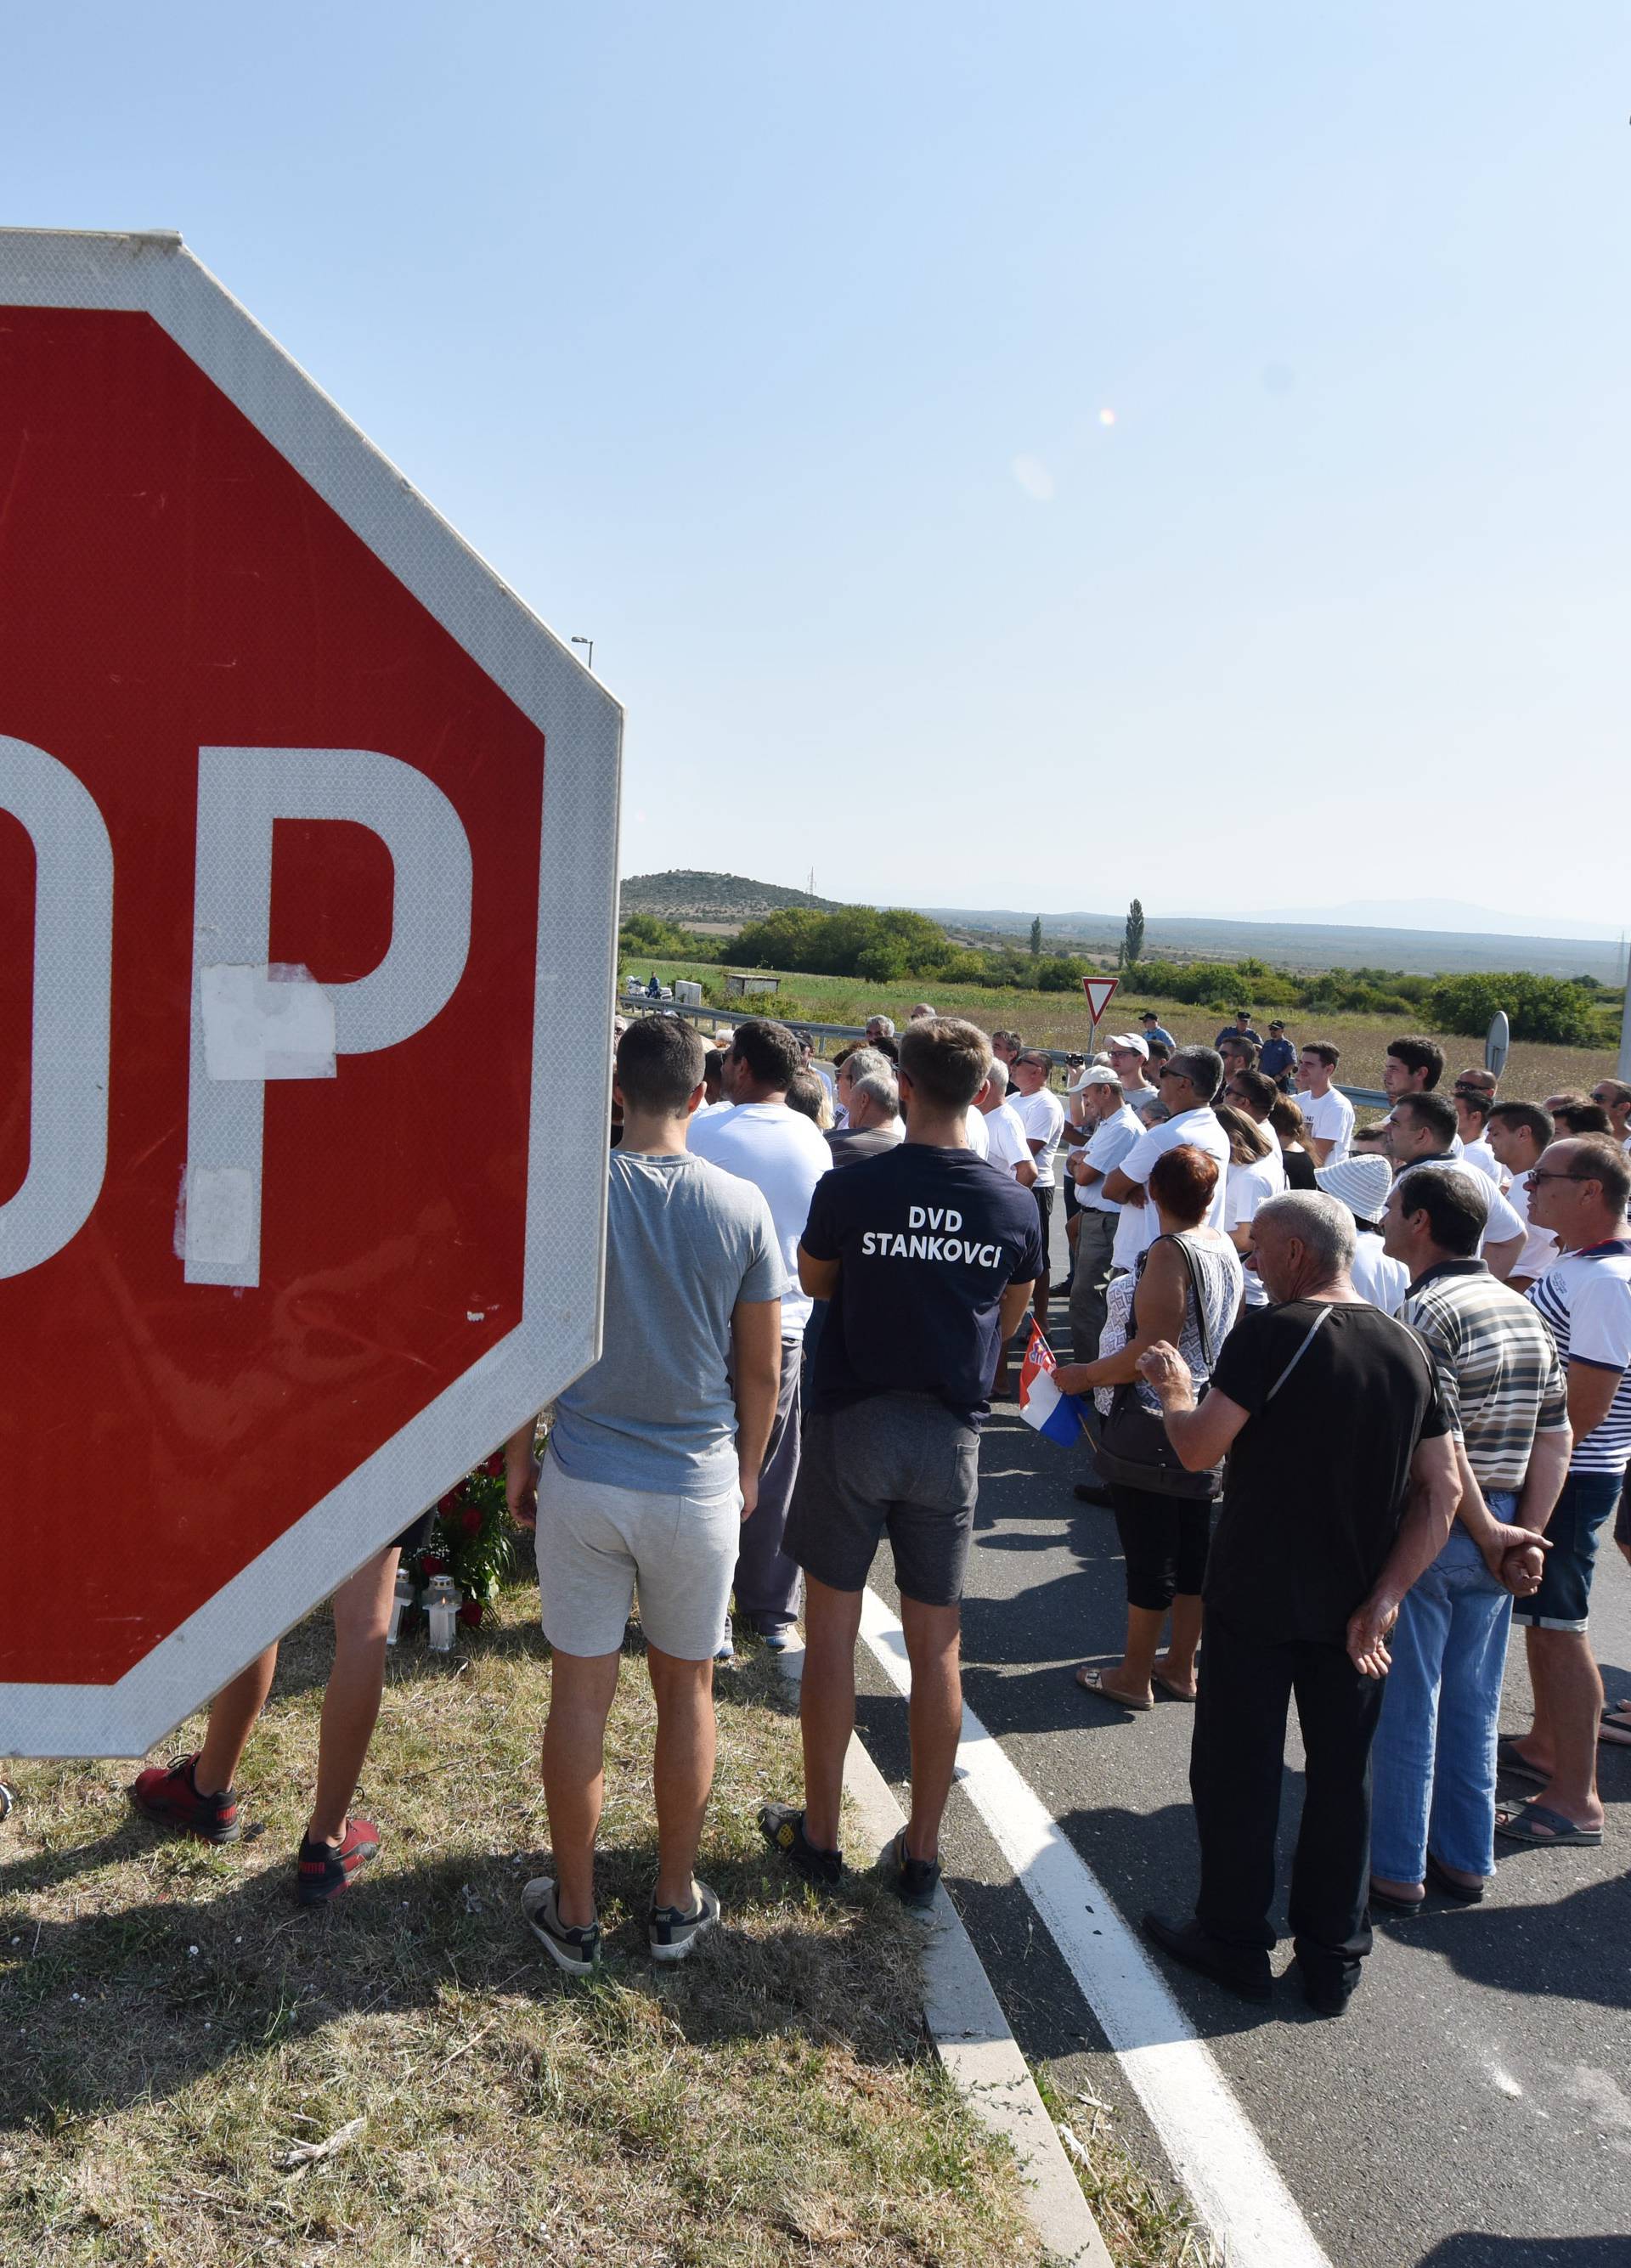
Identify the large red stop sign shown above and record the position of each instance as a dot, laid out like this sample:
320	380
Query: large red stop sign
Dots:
307	887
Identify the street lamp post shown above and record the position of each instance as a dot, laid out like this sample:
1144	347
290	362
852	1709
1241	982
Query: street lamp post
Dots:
590	644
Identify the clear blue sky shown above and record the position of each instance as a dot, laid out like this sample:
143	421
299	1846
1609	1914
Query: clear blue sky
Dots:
769	346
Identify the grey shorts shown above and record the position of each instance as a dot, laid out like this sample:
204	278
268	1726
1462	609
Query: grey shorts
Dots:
597	1546
900	1464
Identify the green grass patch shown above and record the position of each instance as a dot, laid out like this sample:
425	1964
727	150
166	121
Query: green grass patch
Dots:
173	2029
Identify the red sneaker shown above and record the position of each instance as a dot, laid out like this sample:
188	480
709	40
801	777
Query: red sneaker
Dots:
166	1794
326	1869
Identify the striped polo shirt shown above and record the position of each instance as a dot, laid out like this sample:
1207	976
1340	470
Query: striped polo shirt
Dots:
1498	1369
1585	1300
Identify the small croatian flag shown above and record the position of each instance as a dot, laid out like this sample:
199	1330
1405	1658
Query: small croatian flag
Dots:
1057	1415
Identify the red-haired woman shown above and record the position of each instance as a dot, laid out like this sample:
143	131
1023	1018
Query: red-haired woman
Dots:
1187	1290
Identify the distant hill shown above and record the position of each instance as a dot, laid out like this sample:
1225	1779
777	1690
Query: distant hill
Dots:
684	894
1301	946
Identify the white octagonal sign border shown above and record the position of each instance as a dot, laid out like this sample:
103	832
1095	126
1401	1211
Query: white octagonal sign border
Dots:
559	1335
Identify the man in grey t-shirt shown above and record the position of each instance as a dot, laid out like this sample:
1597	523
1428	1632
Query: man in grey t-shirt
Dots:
654	1462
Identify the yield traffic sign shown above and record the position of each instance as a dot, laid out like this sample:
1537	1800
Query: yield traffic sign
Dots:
1098	990
308	890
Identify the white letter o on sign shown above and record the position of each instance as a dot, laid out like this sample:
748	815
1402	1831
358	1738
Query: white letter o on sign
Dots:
73	978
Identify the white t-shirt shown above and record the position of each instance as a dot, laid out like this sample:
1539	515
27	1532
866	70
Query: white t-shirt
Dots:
1585	1300
1042	1114
1200	1126
1250	1186
975	1134
1107	1145
1005	1134
1540	1245
1501	1222
1330	1119
784	1154
1384	1282
1479	1154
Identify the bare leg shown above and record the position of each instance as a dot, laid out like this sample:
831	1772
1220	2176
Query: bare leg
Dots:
362	1614
826	1704
1535	1746
581	1690
1131	1676
233	1714
683	1768
1574	1703
935	1717
1177	1664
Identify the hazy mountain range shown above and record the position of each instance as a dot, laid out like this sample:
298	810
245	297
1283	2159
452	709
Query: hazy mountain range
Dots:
1453	914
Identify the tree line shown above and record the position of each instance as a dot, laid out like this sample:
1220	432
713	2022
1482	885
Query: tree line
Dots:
892	945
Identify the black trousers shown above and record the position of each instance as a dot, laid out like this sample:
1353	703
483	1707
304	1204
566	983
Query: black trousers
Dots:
1164	1540
1235	1770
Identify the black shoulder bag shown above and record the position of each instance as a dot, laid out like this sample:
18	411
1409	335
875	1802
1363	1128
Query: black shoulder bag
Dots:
1132	1448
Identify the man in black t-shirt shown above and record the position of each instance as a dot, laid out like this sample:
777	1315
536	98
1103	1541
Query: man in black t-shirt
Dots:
928	1256
1341	1489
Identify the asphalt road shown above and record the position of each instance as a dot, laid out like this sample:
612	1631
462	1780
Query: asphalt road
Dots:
1474	2105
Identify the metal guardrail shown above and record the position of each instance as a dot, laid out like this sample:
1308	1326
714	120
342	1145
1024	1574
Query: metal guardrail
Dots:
1368	1098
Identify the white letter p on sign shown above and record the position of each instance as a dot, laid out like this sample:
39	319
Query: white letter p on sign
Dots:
251	1021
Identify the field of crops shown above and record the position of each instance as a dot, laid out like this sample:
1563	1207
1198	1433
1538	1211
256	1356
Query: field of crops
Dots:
1060	1020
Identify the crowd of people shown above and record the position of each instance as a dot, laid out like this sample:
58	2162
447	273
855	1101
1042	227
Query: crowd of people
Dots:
1356	1397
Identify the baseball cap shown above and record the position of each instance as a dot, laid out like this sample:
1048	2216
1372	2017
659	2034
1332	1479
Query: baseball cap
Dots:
1276	1026
1136	1041
1095	1075
1148	1016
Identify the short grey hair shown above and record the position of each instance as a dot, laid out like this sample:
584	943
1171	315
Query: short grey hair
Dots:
1202	1067
997	1077
885	1024
878	1086
867	1063
1319	1221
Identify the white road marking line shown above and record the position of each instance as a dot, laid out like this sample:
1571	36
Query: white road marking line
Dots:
1227	2175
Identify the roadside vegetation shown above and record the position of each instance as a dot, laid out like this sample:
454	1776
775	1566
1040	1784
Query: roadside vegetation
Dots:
861	945
1534	1068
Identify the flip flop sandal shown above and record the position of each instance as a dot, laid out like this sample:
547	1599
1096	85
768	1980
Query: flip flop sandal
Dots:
1092	1681
1520	1826
1387	1904
1173	1692
1440	1878
1614	1727
1509	1759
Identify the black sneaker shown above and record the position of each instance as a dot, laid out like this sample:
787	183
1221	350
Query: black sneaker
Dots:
671	1932
913	1881
1243	1972
168	1794
782	1826
578	1951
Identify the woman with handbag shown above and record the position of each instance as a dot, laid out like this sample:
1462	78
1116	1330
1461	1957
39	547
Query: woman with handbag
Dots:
1187	1289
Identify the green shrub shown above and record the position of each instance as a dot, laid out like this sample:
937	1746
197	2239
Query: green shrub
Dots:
647	937
1536	1007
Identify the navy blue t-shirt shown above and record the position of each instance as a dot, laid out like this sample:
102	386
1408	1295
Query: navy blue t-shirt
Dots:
927	1241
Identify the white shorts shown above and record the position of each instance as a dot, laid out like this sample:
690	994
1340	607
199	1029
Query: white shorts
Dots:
598	1545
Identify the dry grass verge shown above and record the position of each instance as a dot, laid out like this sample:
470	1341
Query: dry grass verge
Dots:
174	2030
1535	1068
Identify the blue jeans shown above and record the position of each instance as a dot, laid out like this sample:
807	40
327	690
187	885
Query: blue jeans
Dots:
1434	1761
